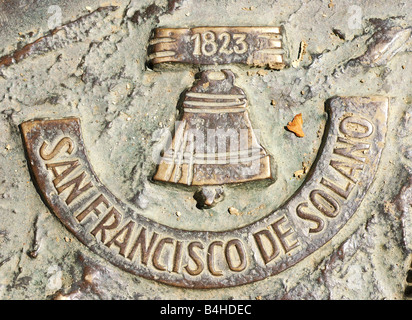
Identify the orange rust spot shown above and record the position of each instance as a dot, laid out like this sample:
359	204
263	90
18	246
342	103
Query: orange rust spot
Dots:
295	126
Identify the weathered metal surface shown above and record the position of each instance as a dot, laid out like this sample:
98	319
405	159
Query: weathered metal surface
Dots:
384	45
254	46
88	61
333	191
57	38
214	143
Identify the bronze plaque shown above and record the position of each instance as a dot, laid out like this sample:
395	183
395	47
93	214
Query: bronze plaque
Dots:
254	46
337	183
214	110
205	150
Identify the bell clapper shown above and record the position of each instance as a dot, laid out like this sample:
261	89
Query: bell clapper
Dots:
208	196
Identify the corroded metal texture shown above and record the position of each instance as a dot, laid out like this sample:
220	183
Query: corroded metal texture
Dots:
57	38
255	46
89	109
336	185
214	143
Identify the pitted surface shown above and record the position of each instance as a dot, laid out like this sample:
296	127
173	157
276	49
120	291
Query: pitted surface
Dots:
93	66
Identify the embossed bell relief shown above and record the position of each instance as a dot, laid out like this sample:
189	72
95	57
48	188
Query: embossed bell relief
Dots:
214	142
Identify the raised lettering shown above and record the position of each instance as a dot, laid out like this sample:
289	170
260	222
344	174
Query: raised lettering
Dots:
254	46
349	170
344	193
349	152
242	45
102	227
350	126
63	142
324	203
60	176
267	257
225	37
177	256
209	45
158	251
205	43
238	245
195	258
197	46
211	258
93	207
320	224
76	190
282	235
128	228
144	250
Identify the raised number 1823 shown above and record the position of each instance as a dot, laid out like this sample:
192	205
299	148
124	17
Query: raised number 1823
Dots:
208	44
